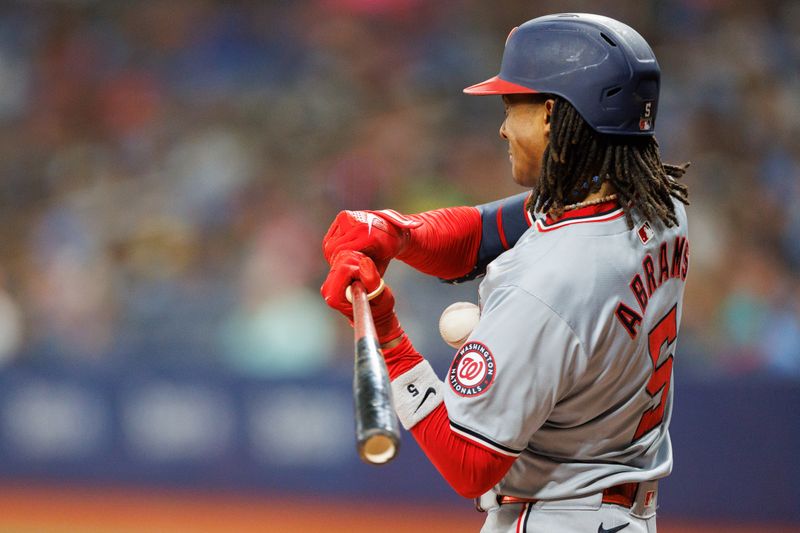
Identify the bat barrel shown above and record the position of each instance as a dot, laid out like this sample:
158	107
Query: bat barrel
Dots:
377	428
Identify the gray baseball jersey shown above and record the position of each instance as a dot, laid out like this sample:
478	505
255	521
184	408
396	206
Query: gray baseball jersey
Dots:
569	368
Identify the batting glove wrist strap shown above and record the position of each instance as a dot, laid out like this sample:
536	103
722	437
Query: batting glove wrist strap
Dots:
416	393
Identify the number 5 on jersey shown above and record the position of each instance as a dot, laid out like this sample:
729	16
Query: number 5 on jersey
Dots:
665	332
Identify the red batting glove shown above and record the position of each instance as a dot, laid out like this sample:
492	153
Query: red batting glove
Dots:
379	234
349	266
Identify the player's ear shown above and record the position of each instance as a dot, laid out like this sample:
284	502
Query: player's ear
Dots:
548	113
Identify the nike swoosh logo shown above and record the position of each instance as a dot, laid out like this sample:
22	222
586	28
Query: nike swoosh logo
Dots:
601	529
370	221
428	392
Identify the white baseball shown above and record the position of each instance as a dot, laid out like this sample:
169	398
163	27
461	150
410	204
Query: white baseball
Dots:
457	322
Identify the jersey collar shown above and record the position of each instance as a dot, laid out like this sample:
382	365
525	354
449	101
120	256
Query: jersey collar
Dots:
602	212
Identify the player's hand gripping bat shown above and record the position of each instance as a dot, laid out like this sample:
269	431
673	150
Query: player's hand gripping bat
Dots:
377	429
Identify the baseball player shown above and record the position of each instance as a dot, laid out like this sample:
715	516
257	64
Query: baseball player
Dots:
554	412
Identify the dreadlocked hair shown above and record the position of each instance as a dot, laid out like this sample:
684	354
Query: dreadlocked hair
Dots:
632	164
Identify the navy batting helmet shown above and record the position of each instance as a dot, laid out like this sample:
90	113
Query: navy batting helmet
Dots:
604	68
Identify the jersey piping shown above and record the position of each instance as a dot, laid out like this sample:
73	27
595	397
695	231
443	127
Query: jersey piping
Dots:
483	440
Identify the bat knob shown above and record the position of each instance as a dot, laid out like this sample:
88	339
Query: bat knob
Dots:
379	448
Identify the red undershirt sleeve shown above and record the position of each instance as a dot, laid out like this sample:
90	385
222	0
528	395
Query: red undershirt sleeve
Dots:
456	243
446	244
469	468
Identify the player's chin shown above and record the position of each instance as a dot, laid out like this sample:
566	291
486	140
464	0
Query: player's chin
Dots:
525	176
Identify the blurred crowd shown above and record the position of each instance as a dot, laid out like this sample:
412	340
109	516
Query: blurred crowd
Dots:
169	168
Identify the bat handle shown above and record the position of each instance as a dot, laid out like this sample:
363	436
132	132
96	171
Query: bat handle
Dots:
363	324
377	429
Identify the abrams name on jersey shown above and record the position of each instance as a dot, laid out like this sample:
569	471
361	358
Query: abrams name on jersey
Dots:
654	276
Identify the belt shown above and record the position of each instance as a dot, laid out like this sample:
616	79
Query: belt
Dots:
623	495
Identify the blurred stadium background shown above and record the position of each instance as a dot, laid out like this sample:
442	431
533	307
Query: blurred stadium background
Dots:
168	169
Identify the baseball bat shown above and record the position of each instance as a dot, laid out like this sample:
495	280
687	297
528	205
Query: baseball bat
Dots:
377	428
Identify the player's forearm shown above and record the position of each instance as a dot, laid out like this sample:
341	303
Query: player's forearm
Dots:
456	243
446	244
468	467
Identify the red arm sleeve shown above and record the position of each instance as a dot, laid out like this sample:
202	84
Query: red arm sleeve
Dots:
456	243
468	467
446	245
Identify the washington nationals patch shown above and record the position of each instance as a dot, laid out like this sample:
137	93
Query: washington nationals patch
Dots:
472	371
